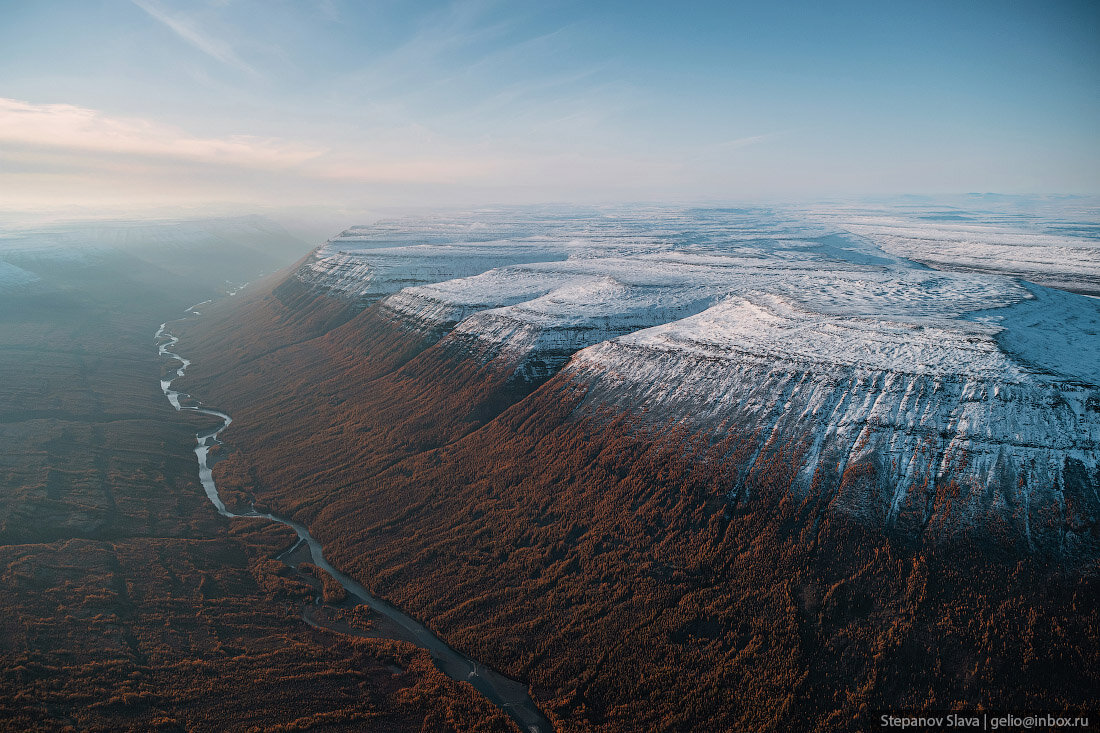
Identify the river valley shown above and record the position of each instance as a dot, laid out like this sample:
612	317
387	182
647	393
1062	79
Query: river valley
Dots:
507	694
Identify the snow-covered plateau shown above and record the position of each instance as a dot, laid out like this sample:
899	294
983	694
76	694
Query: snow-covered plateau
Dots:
913	340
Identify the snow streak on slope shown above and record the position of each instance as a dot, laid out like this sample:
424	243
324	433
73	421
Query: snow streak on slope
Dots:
923	406
797	329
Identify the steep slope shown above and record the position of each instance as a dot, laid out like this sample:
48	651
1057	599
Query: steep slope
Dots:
949	433
676	466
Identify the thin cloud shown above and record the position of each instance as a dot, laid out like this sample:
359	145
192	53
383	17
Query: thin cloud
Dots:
188	30
744	142
65	139
69	127
448	42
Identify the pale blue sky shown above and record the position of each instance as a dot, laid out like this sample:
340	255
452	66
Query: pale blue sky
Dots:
113	102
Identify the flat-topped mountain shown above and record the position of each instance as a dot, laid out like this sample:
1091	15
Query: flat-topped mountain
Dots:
755	467
801	329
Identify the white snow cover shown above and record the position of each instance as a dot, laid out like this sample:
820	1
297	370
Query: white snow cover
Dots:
547	311
1046	246
818	329
924	405
367	274
776	329
1055	332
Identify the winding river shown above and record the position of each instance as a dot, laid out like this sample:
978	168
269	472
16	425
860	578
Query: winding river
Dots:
507	694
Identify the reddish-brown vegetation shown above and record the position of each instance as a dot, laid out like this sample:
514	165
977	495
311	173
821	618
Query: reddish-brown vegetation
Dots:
200	634
601	558
127	603
331	590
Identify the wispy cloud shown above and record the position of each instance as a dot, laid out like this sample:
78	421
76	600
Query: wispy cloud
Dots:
744	142
190	31
69	127
65	138
446	43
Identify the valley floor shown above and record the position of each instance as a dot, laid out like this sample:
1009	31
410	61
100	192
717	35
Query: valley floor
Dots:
126	602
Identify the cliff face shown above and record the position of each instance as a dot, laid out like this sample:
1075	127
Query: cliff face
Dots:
756	457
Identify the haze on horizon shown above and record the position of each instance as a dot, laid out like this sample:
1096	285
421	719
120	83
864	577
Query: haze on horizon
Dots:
245	104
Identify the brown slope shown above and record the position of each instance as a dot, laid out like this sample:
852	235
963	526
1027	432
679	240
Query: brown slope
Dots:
347	404
126	603
602	561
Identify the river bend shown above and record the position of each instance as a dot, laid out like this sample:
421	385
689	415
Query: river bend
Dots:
507	694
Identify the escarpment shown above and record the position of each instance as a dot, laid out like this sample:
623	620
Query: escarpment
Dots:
773	466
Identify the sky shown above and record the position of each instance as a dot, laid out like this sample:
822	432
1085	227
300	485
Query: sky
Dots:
246	104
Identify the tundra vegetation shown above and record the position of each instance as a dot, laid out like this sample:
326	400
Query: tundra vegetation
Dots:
127	603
